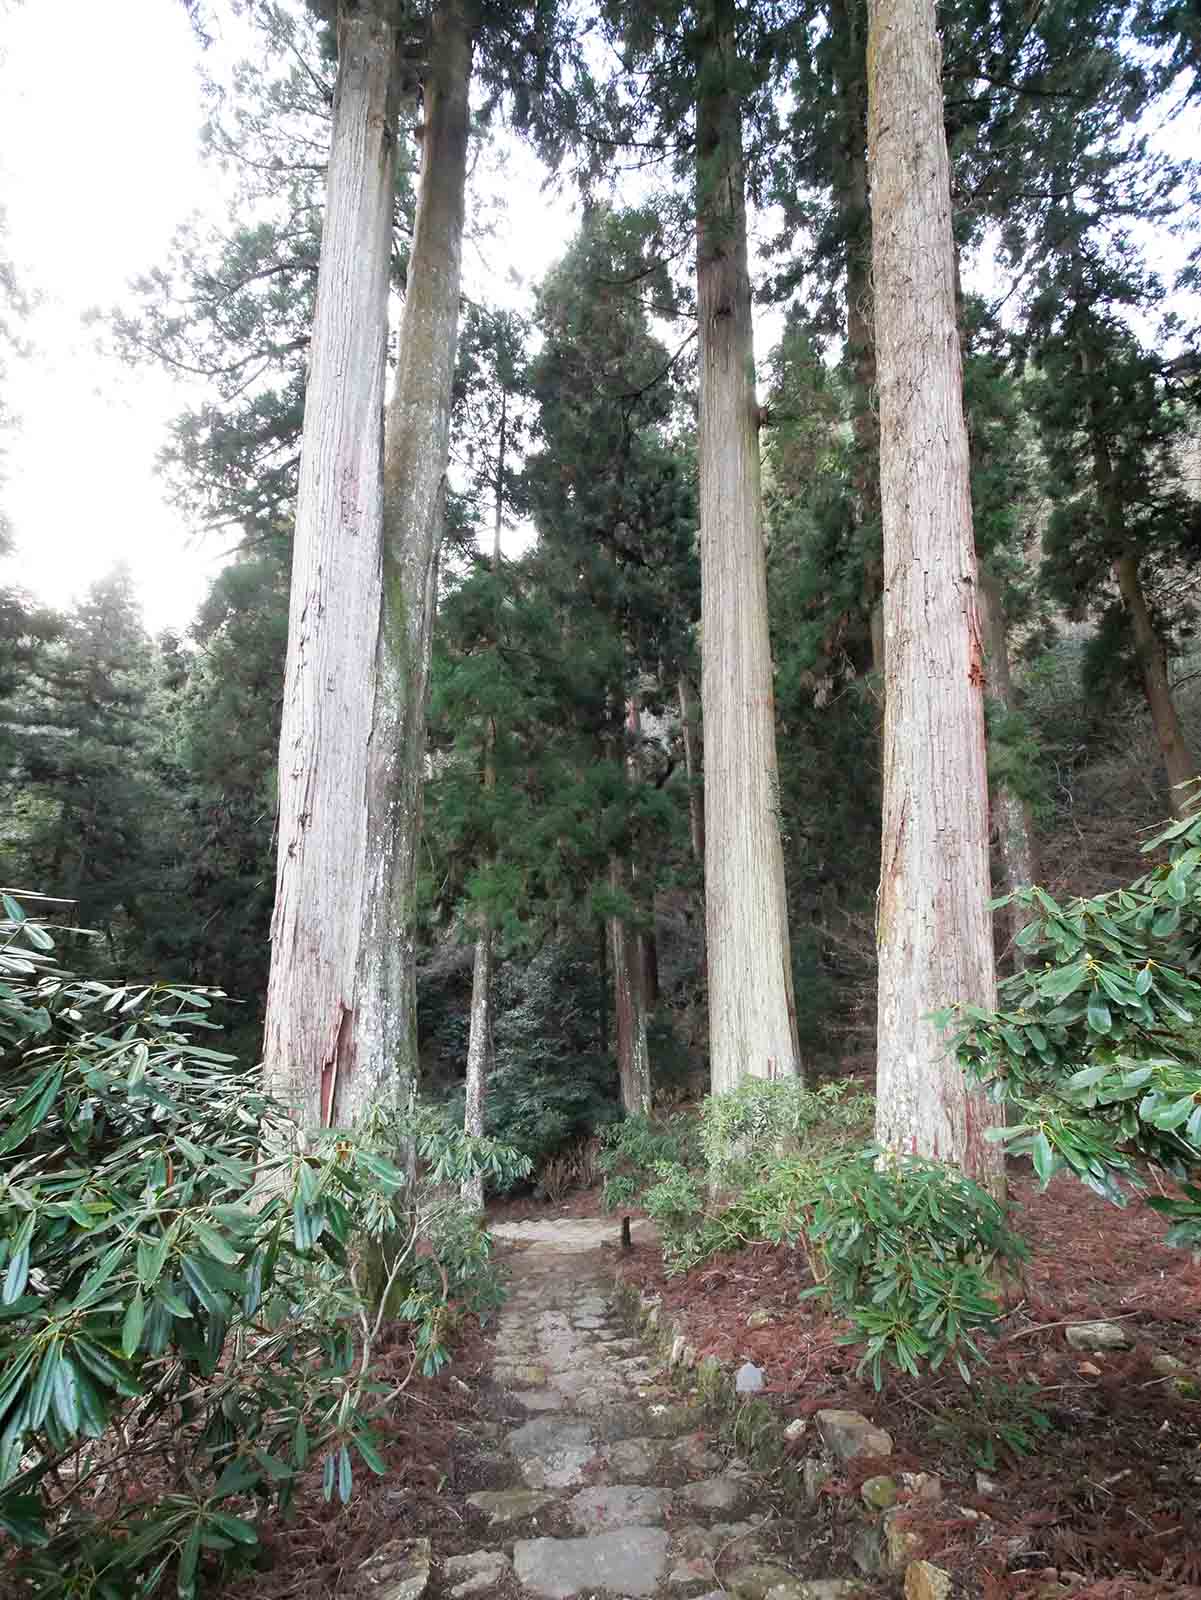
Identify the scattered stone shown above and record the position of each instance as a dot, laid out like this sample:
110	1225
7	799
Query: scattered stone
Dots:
628	1561
473	1574
696	1571
986	1485
502	1506
760	1317
754	1581
1097	1336
715	1494
818	1589
588	1322
398	1570
632	1459
924	1581
867	1552
678	1346
879	1493
796	1428
847	1434
689	1358
610	1506
926	1486
814	1475
552	1452
901	1541
748	1379
1089	1369
1165	1366
694	1453
529	1377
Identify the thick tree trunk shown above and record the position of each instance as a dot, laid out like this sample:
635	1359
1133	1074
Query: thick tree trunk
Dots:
1013	822
1153	666
319	1035
934	929
417	443
752	1015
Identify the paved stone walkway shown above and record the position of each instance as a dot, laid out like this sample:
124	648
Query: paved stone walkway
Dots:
613	1485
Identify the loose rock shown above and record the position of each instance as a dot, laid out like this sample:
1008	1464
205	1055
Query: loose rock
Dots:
924	1581
754	1581
847	1434
879	1493
748	1379
398	1570
1097	1336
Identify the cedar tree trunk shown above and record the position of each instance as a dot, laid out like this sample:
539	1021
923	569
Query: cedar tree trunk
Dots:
934	928
417	444
752	1015
1013	823
1153	668
319	1035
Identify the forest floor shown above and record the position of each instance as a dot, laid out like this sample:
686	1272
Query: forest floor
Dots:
1059	1466
1064	1472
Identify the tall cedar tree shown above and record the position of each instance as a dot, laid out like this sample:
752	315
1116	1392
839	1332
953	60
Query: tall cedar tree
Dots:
934	934
324	1030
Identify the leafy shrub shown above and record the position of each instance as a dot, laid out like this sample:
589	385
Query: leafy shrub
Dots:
902	1248
633	1150
994	1423
1096	1041
766	1117
182	1307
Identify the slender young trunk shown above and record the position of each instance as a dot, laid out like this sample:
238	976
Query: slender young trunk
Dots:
1153	667
319	1036
692	769
1013	821
633	1057
1152	657
752	1014
479	1039
417	443
849	17
934	929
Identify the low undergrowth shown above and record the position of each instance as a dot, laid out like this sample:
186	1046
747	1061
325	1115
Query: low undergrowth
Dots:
191	1305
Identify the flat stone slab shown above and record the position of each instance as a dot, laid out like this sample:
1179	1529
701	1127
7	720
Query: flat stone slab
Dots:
715	1494
617	1505
573	1235
633	1459
628	1561
552	1452
503	1506
475	1573
694	1453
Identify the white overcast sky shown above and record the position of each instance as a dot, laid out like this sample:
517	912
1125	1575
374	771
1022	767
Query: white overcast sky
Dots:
99	163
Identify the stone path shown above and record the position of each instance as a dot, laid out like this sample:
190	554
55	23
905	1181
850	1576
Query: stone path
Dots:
613	1485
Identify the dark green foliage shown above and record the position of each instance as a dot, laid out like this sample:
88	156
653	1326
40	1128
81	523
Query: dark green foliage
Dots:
553	1080
1095	1042
904	1249
90	812
175	1289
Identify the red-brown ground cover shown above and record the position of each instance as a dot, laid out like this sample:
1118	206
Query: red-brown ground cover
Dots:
1109	1497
